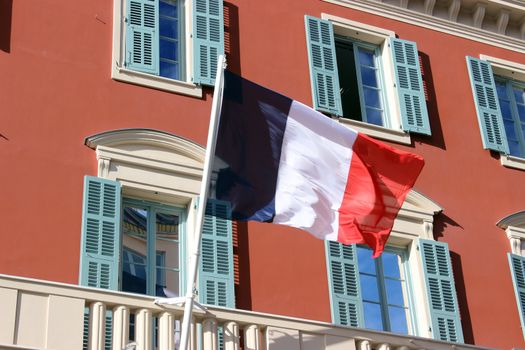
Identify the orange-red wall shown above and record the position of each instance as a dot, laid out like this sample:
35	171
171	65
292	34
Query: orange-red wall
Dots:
56	89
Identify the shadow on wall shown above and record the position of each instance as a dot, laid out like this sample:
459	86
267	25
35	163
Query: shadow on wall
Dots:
231	37
464	313
436	139
241	262
6	7
441	223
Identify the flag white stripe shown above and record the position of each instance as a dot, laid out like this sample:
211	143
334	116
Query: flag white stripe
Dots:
313	171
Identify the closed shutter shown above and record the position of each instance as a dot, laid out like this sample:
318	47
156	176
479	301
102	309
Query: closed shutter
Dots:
487	105
323	65
441	291
216	263
345	290
409	83
99	259
142	36
517	268
208	39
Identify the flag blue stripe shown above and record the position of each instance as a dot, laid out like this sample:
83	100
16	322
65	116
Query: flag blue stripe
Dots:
248	150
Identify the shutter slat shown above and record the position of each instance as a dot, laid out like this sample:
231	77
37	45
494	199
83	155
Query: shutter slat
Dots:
323	65
208	39
142	36
441	290
517	268
344	284
409	82
487	105
216	266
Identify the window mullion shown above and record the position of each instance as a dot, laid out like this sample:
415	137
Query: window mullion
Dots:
382	294
151	258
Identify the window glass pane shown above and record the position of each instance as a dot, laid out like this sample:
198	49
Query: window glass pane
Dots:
521	112
365	260
169	27
169	70
372	97
391	263
373	319
394	292
505	108
348	80
169	49
374	116
509	129
134	222
366	57
369	287
168	8
168	284
398	320
501	89
519	95
514	148
368	76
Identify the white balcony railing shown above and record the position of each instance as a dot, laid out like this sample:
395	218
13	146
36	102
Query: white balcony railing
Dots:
38	314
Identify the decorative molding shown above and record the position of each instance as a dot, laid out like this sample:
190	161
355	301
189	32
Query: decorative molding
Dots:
503	21
403	3
514	226
478	15
440	20
429	6
453	10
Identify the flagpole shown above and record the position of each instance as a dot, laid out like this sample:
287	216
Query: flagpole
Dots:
206	175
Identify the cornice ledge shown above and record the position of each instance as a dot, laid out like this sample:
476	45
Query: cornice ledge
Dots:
513	220
439	24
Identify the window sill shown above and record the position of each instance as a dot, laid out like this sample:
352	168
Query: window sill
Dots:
512	162
379	132
156	82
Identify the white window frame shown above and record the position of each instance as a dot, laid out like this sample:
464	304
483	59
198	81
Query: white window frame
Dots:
514	71
121	73
377	36
153	166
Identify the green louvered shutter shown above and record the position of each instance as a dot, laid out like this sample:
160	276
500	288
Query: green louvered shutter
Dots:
409	83
216	263
487	105
441	291
208	39
517	268
323	65
99	260
345	292
142	36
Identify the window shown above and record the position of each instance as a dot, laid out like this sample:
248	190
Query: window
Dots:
151	248
366	76
408	290
498	88
385	290
168	44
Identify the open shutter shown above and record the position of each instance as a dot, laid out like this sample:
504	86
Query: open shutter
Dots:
409	83
99	259
216	263
208	39
142	36
345	291
323	65
487	105
517	268
441	291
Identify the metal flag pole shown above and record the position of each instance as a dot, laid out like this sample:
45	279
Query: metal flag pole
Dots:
206	175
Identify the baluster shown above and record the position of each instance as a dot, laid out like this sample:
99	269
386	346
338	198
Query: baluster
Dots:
252	338
97	325
120	327
209	334
166	331
383	346
364	345
231	336
143	329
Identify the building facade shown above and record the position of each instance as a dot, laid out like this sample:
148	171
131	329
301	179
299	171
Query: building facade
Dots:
104	112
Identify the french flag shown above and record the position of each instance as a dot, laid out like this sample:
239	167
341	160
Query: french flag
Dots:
277	160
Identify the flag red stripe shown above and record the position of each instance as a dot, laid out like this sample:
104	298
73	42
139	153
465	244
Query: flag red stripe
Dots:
379	179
